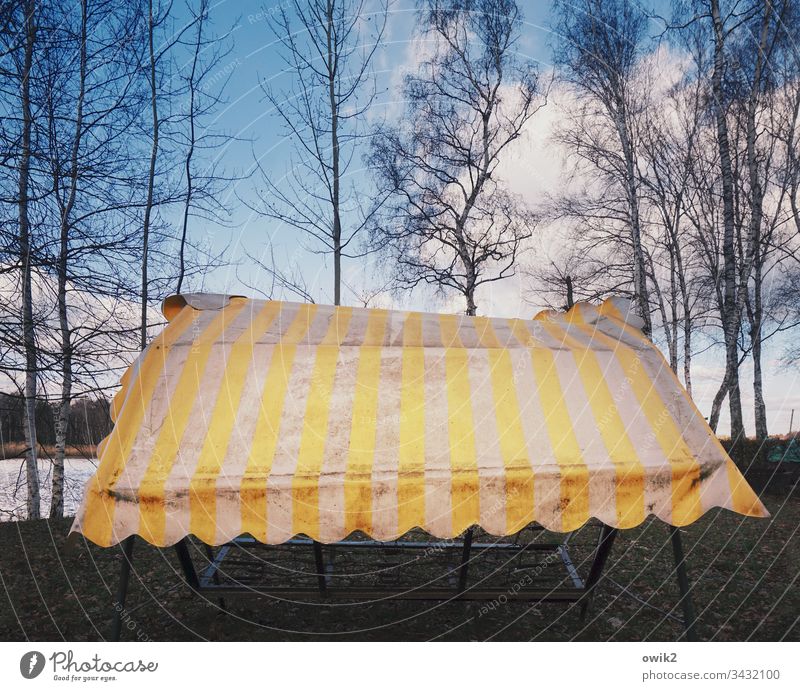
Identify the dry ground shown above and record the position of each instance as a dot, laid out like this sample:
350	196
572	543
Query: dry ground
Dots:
744	573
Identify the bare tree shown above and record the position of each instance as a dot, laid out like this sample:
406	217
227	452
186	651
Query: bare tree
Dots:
669	146
328	54
192	85
760	119
754	242
574	273
739	73
62	421
598	52
153	21
205	80
164	41
21	239
786	130
89	169
29	338
450	220
730	321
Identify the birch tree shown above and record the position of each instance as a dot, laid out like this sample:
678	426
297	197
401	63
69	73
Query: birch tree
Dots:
66	209
154	19
670	143
450	220
741	38
165	40
204	79
327	54
598	51
26	257
88	75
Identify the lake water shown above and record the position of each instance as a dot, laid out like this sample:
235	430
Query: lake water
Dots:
14	488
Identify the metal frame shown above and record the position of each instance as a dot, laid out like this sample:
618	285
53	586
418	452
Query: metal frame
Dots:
689	617
209	581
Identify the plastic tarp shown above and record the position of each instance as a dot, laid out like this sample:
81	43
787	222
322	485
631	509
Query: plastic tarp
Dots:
275	419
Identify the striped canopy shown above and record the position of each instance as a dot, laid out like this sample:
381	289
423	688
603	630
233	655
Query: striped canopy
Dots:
277	418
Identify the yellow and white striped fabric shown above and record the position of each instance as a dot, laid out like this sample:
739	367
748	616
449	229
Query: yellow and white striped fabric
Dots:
277	418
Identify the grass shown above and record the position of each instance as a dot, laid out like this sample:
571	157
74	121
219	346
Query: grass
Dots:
744	575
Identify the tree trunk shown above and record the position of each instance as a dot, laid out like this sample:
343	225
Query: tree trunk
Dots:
679	295
730	316
151	174
188	203
62	425
28	335
716	404
62	418
190	152
472	308
687	350
483	175
673	306
729	386
662	309
754	240
687	312
734	299
472	278
760	408
641	297
735	399
758	393
336	233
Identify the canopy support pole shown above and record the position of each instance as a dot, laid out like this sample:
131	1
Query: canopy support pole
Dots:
462	574
122	589
689	617
606	540
320	565
211	560
187	565
604	544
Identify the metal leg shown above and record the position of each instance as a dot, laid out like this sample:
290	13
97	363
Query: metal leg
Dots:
320	565
689	617
122	590
604	544
215	577
462	575
185	560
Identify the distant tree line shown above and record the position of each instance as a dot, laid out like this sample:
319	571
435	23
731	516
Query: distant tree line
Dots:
89	423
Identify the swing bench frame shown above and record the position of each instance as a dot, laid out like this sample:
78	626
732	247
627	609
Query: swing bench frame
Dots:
214	581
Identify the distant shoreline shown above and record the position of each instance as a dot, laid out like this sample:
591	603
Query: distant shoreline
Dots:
16	450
